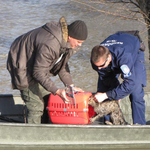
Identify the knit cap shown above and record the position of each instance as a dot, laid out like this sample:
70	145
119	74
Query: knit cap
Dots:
78	30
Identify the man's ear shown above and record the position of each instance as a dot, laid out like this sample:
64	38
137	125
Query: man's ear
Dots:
109	55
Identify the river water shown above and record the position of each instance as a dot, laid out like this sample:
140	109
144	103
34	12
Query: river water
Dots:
20	16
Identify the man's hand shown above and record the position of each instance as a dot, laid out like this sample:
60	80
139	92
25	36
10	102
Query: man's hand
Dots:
100	96
77	89
62	94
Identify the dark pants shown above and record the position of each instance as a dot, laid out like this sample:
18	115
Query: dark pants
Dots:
137	96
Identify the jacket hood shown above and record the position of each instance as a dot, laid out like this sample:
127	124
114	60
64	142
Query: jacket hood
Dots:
59	30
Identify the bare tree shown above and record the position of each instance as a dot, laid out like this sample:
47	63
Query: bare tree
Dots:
125	9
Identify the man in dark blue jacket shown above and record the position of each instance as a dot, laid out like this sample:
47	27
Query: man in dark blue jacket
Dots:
120	54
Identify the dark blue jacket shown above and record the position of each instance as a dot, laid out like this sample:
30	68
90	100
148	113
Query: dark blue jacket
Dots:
124	50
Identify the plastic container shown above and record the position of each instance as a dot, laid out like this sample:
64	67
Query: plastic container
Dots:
62	113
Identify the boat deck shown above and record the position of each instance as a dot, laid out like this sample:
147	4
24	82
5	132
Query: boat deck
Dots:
68	137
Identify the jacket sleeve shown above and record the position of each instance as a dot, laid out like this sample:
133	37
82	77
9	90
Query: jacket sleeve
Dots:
122	90
43	62
64	75
128	76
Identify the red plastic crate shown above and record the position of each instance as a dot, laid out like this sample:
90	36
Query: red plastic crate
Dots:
62	113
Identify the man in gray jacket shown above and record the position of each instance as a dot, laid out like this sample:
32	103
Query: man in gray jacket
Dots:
39	54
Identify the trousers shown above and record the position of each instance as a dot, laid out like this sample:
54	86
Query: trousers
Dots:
137	96
33	97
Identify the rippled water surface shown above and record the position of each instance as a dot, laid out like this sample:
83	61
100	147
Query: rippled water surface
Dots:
20	16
